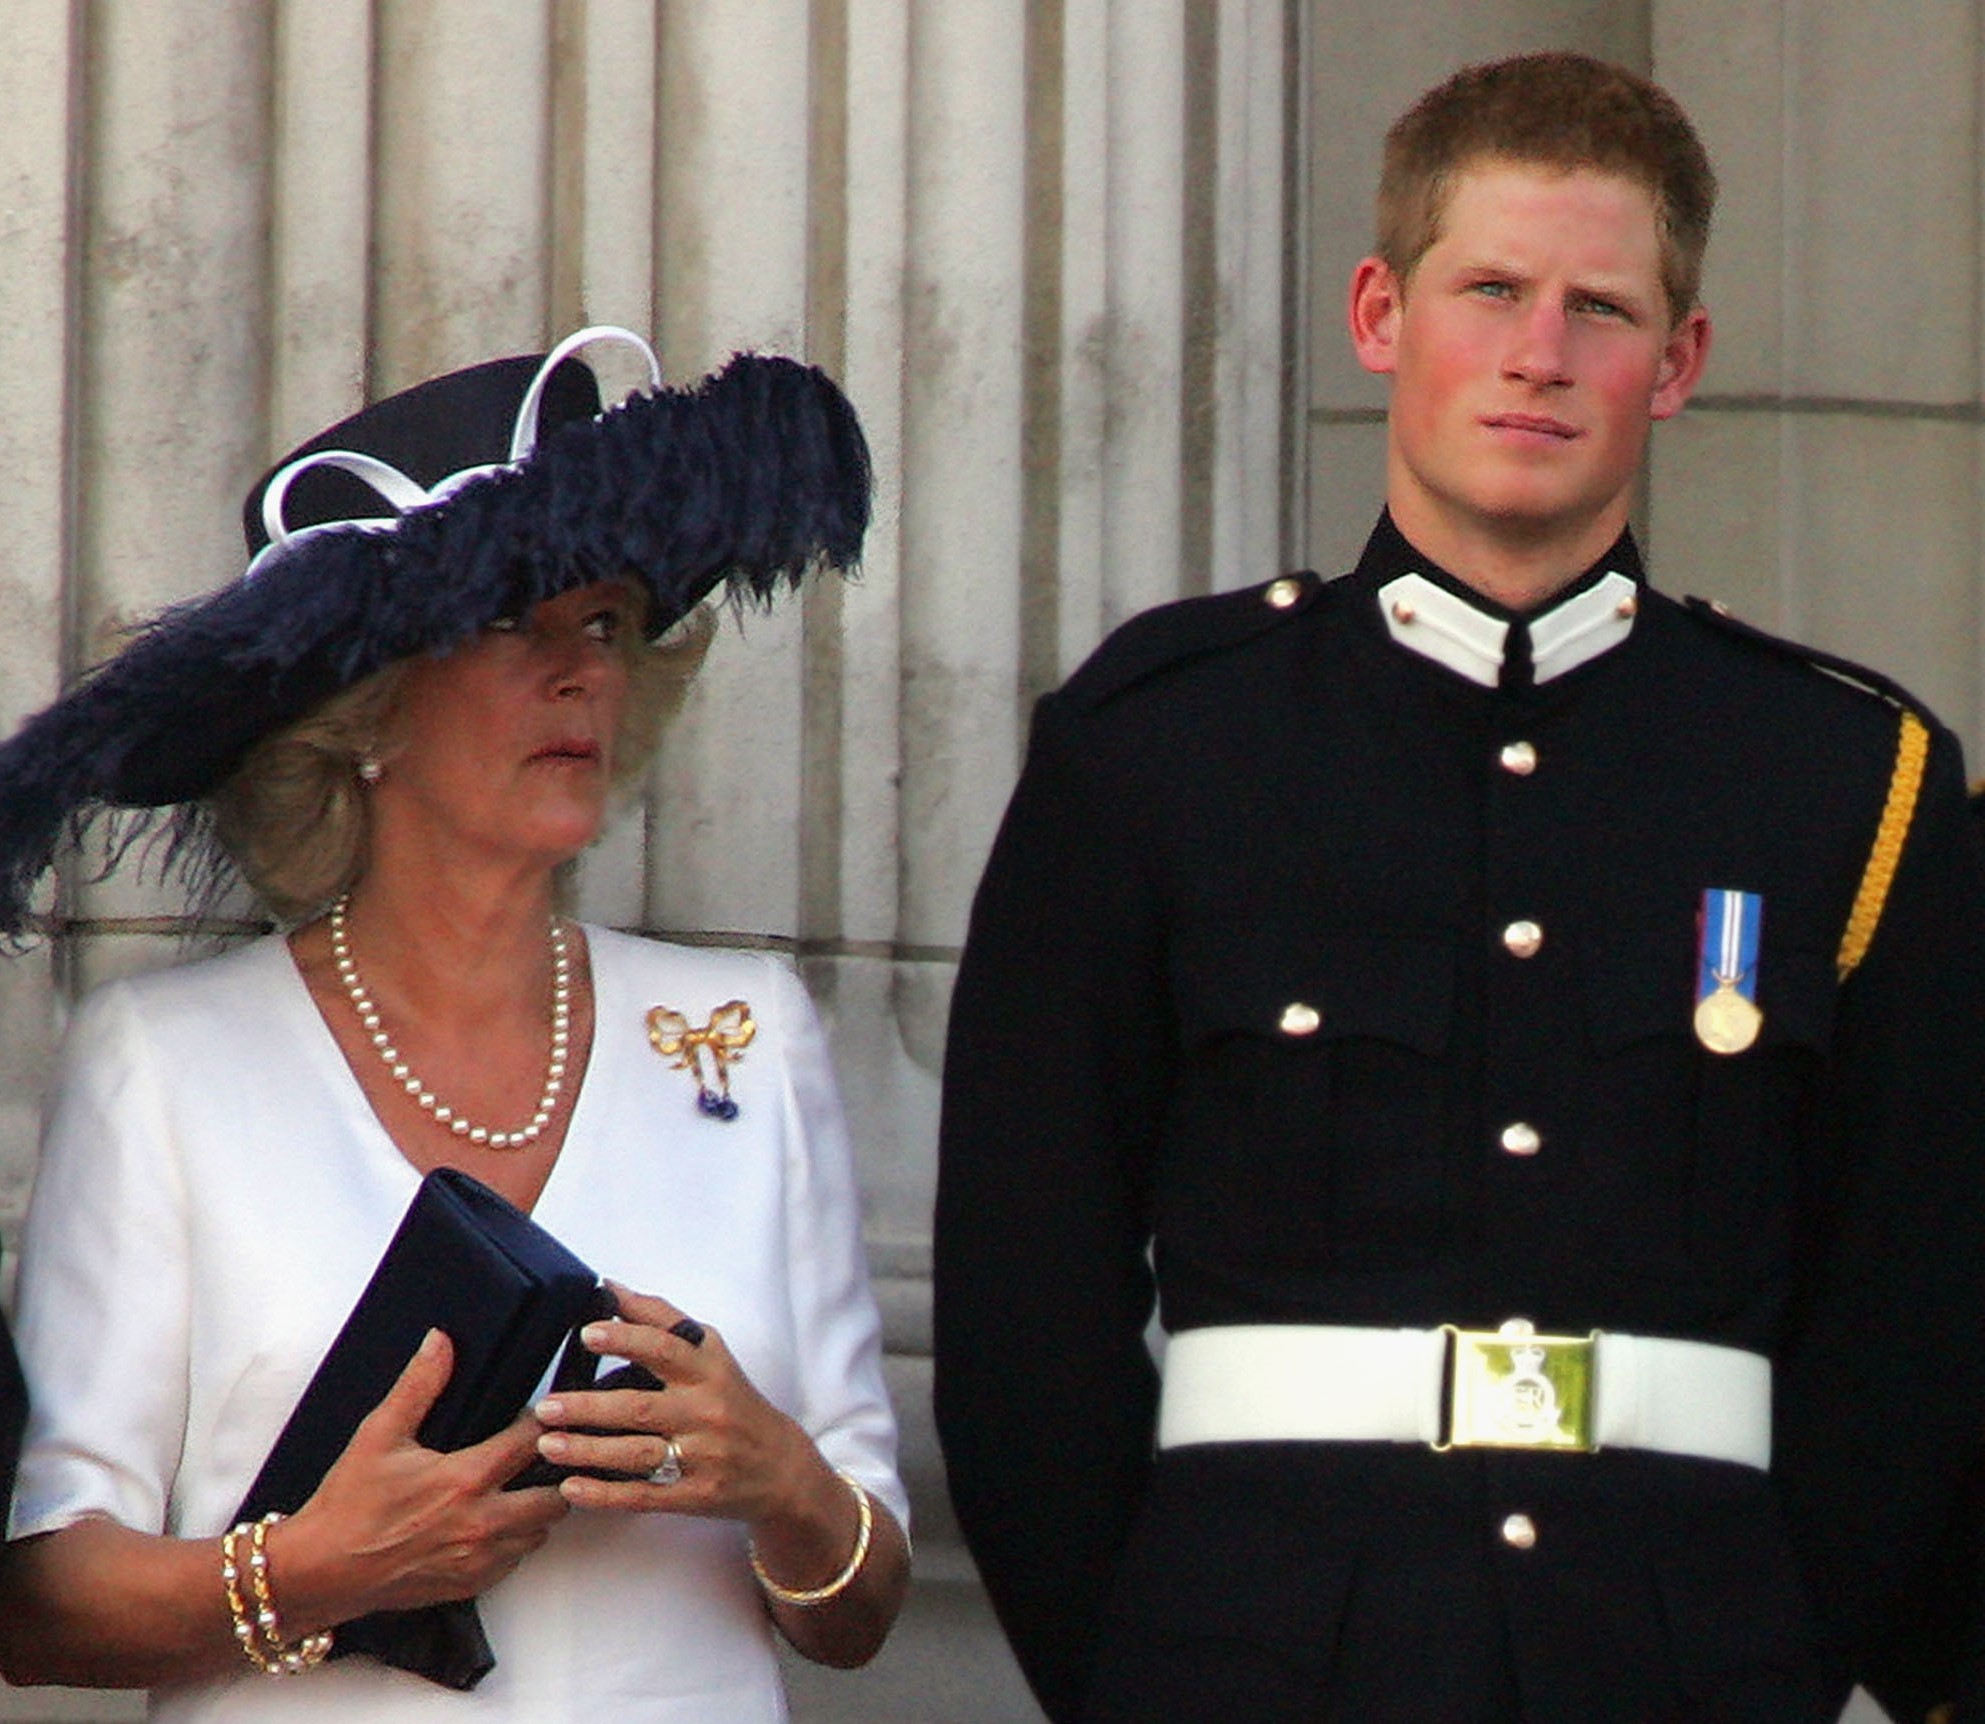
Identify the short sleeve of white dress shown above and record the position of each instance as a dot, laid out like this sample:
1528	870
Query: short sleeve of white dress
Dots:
212	1196
104	1300
842	1400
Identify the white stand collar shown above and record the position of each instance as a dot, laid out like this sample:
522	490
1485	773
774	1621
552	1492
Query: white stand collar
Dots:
1442	626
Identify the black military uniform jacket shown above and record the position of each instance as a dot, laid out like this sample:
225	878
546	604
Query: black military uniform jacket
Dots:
1265	799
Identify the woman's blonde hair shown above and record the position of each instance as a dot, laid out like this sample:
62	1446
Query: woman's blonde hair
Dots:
295	818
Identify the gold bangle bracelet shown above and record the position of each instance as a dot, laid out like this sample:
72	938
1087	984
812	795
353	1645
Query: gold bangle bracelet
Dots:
807	1595
260	1634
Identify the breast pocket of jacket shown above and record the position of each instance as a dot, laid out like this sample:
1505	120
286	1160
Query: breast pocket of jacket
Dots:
1306	1129
1715	1135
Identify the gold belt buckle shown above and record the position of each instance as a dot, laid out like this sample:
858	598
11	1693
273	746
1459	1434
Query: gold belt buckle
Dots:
1512	1388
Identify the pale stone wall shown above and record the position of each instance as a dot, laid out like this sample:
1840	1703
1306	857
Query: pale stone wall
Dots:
1042	245
1081	265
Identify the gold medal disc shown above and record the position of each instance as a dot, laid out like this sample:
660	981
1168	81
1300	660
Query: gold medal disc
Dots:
1726	1022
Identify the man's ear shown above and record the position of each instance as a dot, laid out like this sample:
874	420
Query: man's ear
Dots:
1683	357
1378	297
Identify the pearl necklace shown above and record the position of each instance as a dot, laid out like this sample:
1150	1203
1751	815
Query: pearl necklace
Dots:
561	1027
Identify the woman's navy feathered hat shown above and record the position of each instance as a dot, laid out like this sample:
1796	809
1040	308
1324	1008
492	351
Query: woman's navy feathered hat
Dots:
502	485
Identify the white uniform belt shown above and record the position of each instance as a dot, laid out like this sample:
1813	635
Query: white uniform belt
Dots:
1252	1383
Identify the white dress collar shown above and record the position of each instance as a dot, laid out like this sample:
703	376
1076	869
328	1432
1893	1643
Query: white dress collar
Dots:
1442	626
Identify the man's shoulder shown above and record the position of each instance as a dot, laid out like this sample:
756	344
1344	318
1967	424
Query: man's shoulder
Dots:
1168	638
1823	675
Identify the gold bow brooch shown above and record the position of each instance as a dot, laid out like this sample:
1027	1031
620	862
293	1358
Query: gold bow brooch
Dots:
707	1054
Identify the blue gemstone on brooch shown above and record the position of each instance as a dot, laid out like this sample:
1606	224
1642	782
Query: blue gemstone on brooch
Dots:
715	1105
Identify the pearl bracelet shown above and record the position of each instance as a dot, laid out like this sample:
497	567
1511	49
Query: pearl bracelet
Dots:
260	1636
807	1595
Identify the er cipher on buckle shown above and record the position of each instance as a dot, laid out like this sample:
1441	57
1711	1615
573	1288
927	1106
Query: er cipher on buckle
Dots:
1512	1388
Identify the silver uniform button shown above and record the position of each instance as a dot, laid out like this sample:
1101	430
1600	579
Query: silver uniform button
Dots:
1519	758
1299	1019
1283	593
1523	939
1519	1532
1521	1139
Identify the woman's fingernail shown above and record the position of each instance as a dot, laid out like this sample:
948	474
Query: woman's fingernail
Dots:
553	1444
594	1335
550	1412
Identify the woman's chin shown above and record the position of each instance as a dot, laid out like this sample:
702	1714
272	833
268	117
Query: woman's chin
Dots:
554	841
573	820
574	844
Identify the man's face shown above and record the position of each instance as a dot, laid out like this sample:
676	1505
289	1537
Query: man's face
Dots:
1529	352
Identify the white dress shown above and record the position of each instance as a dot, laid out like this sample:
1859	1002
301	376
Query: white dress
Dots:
214	1192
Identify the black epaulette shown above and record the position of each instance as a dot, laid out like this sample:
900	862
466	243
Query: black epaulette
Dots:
1186	629
1841	669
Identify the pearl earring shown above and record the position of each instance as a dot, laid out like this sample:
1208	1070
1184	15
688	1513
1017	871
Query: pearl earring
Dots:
370	770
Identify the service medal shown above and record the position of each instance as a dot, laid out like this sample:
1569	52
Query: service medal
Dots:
1727	1016
1726	1022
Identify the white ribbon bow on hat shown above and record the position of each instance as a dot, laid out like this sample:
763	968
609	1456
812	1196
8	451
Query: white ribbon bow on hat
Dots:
405	494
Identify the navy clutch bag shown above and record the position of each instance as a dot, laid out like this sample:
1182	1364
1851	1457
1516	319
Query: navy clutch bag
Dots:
470	1263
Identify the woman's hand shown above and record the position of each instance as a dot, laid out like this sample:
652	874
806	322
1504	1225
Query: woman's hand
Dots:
739	1458
395	1525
